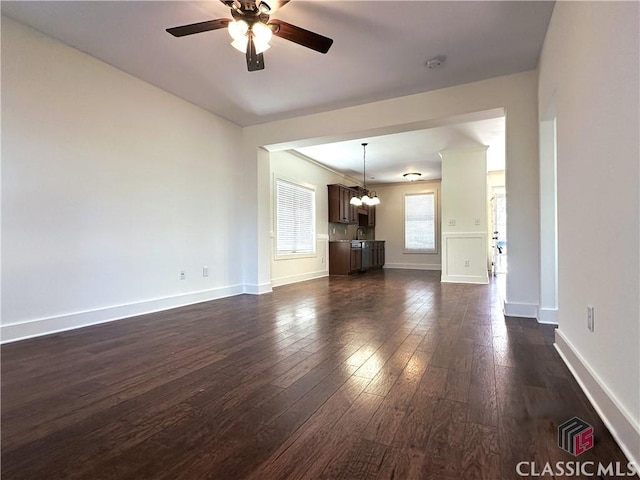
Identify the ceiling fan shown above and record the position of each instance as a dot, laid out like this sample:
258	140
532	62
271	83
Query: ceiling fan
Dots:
251	30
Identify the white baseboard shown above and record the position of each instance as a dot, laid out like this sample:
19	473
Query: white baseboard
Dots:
524	310
475	279
303	277
44	326
413	266
625	430
257	289
548	316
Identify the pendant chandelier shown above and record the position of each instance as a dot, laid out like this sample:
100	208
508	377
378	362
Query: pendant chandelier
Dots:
367	198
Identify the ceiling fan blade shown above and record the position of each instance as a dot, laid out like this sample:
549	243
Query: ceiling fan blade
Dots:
303	37
255	61
199	27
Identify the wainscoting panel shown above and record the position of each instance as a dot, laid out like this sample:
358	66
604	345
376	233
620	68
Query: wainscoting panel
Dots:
464	257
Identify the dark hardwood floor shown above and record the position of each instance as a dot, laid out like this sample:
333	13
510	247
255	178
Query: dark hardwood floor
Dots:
387	375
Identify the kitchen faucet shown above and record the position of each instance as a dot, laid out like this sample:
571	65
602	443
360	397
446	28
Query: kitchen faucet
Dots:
360	233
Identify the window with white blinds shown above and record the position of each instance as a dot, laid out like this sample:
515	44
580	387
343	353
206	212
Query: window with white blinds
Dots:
420	223
295	219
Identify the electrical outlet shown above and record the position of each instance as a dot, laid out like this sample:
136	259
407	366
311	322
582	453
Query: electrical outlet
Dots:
467	263
591	318
205	271
477	222
182	275
452	223
322	259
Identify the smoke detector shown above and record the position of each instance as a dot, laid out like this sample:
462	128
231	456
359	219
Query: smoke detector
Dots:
436	62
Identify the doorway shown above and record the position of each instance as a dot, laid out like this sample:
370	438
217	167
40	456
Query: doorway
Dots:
499	229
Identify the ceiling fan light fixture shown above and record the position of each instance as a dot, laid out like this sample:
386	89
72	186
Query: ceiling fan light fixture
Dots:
264	8
238	29
261	47
240	44
412	177
262	33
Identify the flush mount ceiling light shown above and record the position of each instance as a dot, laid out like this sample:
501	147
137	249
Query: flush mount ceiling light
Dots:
365	199
412	177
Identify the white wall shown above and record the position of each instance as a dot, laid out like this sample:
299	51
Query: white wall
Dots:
110	187
515	94
590	63
390	225
290	167
464	215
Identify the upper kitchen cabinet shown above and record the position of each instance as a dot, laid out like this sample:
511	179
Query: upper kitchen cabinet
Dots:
367	216
340	210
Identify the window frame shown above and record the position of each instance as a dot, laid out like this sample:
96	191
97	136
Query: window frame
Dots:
294	255
436	224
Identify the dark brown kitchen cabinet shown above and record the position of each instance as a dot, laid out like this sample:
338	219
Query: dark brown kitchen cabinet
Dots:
356	259
340	208
377	255
365	214
347	257
344	258
367	217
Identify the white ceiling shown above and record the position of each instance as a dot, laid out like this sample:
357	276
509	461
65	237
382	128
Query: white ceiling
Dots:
379	52
391	156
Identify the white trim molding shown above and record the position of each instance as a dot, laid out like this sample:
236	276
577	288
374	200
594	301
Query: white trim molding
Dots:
623	427
548	316
302	277
524	310
257	289
44	326
413	266
475	279
458	246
